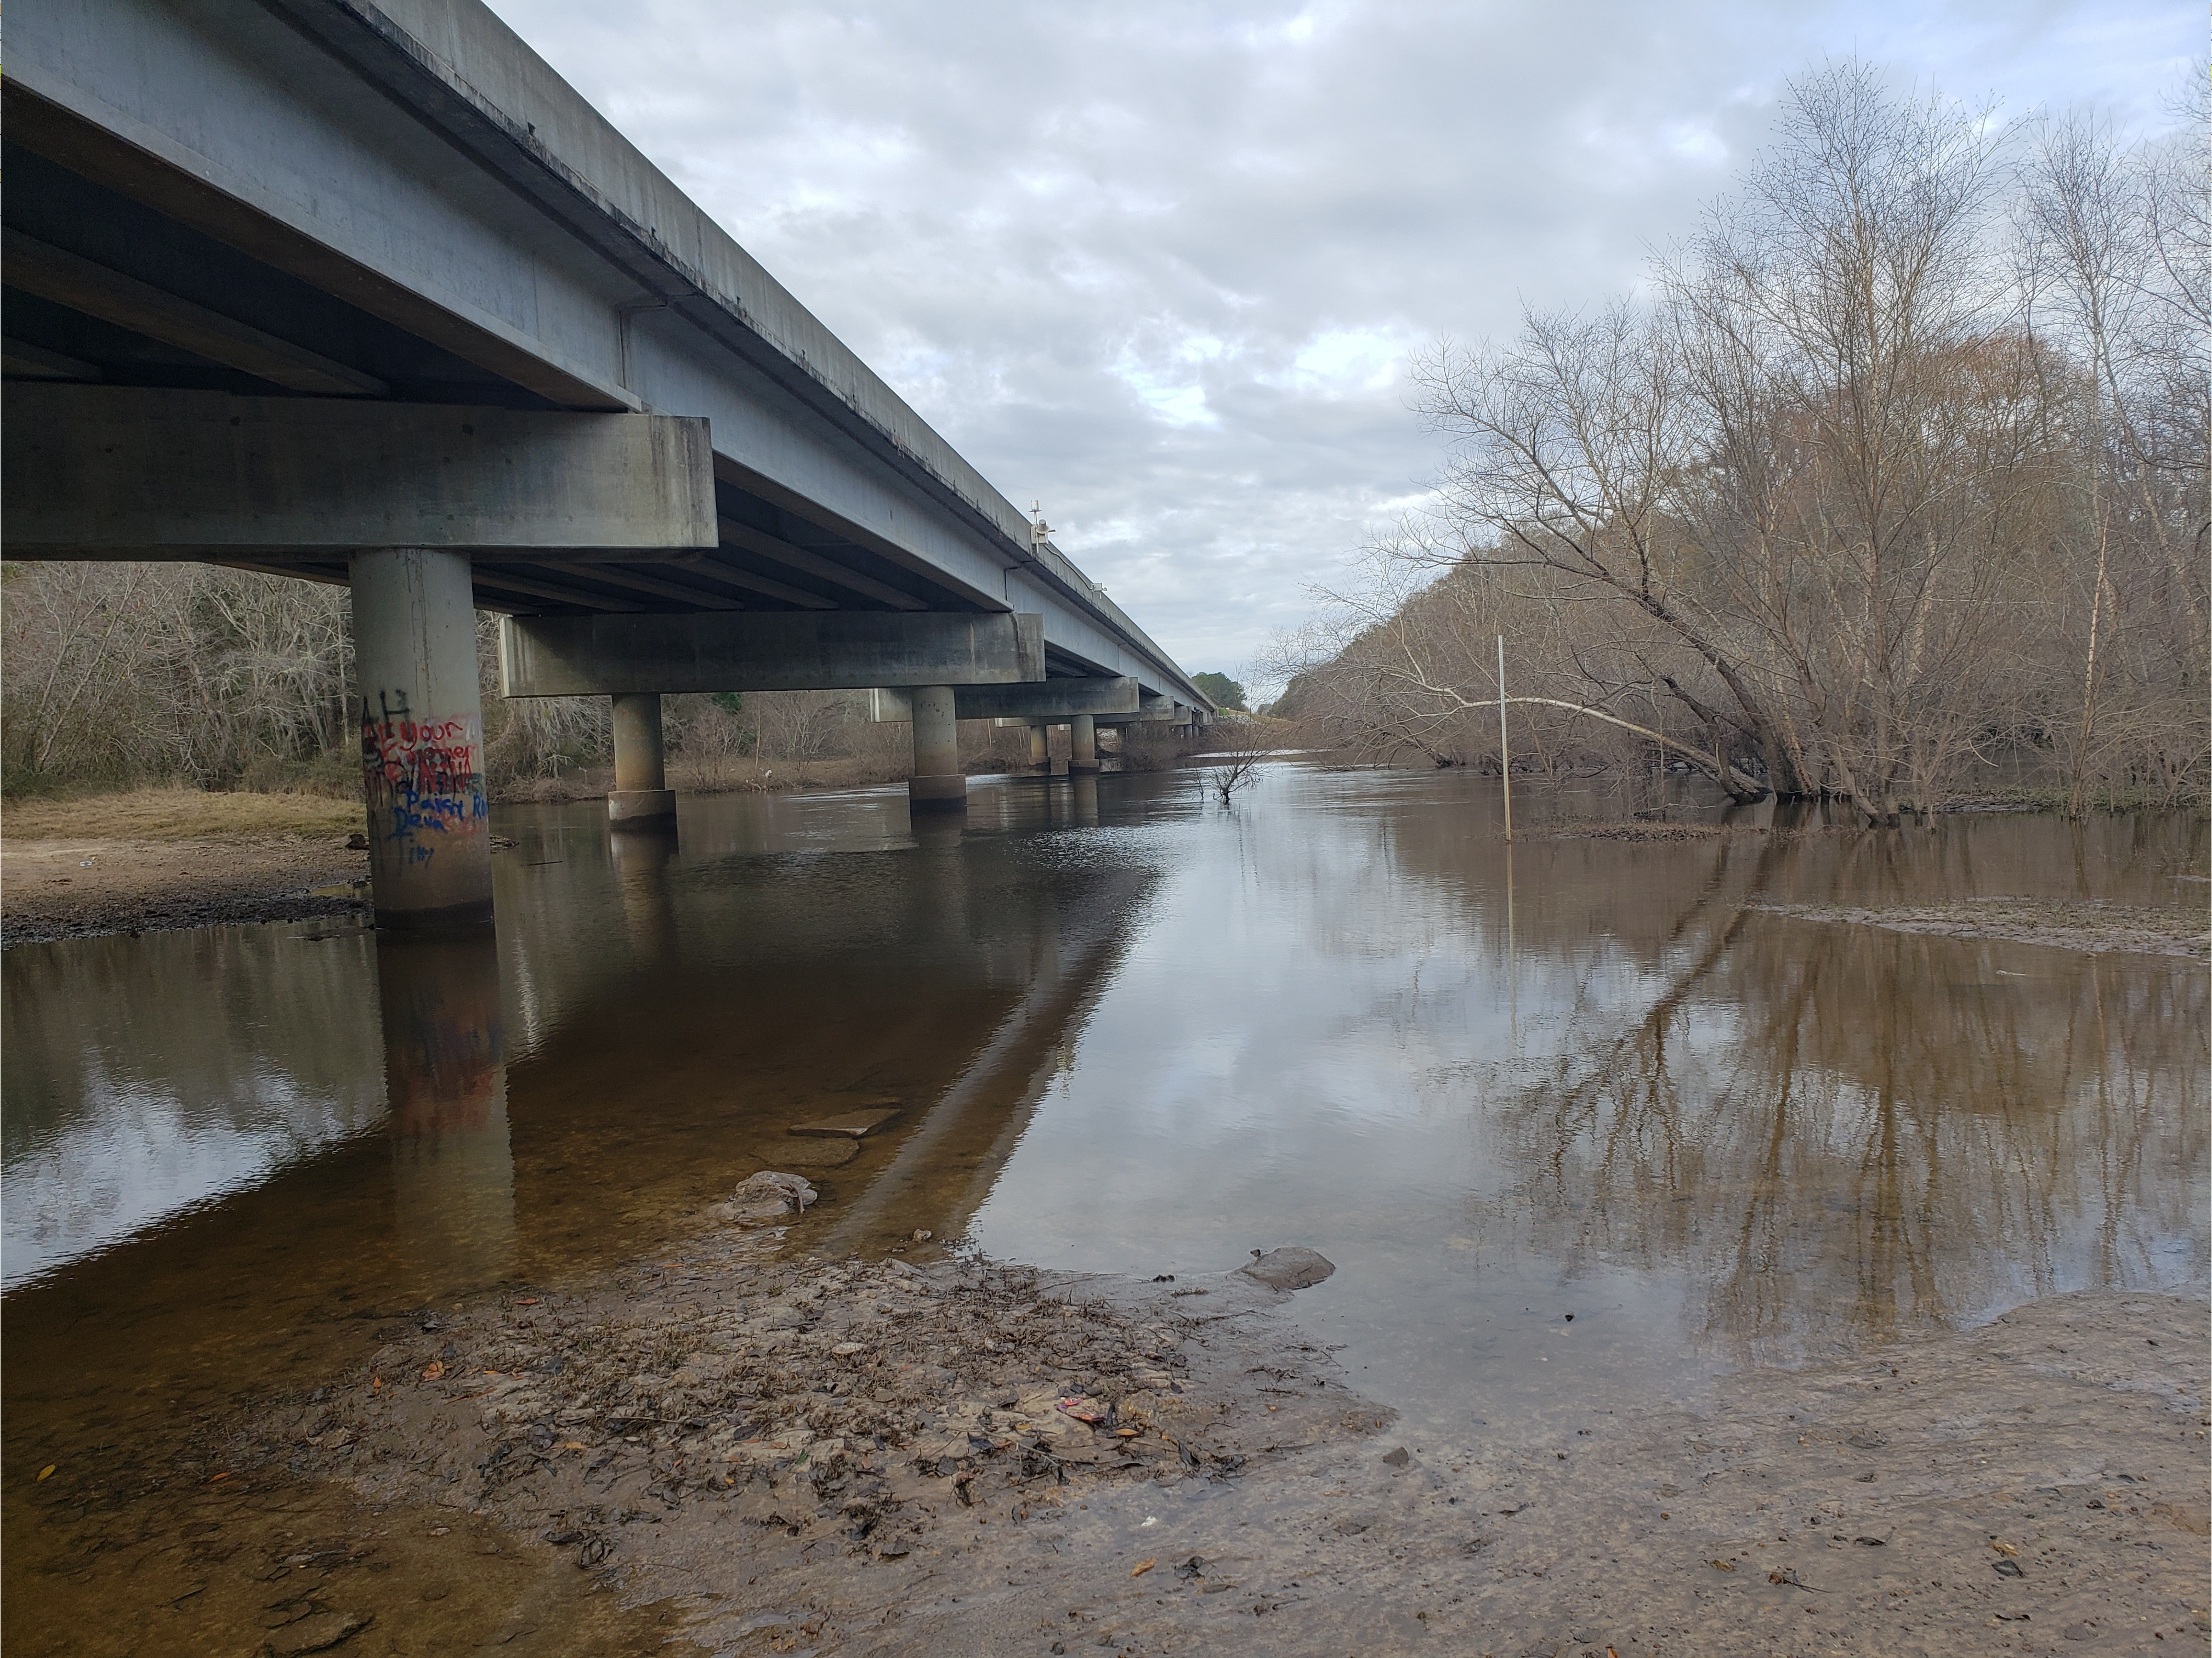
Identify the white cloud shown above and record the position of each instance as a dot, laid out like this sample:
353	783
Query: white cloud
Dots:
1159	264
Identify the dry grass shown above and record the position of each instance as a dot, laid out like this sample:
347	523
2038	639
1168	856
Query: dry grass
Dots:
178	815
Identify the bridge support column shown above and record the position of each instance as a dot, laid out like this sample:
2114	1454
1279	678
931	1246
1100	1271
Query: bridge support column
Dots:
641	798
937	783
1082	746
1039	749
422	737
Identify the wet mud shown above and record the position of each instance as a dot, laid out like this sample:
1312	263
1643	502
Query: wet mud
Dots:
84	888
773	1454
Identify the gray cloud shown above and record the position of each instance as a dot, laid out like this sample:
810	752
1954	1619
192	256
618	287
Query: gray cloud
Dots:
1158	265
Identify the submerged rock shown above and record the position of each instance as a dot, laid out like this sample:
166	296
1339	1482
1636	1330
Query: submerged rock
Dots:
1290	1269
852	1125
764	1199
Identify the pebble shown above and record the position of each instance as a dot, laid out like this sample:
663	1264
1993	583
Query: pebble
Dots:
852	1125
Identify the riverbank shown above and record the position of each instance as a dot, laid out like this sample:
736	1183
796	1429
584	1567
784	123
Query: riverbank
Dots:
82	886
146	861
781	1454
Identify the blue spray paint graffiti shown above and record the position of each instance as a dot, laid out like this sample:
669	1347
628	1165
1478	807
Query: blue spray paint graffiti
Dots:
425	777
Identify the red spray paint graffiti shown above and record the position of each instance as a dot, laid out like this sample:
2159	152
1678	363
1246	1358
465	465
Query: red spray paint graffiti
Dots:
424	778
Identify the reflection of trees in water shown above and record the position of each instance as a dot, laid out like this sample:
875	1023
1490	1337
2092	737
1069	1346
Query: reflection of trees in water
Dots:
1841	1133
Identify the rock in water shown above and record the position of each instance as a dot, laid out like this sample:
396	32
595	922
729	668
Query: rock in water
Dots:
852	1125
765	1199
1290	1269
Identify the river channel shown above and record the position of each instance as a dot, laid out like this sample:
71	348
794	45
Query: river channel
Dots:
1582	1123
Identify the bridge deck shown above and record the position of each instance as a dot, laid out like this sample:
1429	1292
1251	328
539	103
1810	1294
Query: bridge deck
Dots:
403	203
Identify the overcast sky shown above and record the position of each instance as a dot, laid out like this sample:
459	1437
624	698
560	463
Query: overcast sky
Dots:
1159	265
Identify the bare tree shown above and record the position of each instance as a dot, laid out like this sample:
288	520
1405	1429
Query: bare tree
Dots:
119	672
1236	766
1900	473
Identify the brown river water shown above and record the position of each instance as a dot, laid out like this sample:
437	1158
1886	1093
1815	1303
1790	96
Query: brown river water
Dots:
1130	1030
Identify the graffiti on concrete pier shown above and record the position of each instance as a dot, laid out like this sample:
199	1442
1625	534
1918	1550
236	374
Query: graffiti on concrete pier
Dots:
425	777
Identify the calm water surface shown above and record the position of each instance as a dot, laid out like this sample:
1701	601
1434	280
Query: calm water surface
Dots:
1133	1032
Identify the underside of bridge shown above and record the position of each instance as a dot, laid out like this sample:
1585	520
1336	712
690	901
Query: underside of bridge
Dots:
104	290
364	294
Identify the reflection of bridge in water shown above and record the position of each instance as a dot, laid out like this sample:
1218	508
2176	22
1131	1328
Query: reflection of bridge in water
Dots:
651	1017
963	976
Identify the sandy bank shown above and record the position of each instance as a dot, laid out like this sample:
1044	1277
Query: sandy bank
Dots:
2099	928
870	1457
84	885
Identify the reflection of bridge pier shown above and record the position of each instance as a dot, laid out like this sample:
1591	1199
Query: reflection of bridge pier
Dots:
941	835
642	857
444	1078
1082	802
1072	802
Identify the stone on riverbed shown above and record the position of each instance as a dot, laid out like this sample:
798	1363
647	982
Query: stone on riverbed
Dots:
1290	1269
852	1125
764	1199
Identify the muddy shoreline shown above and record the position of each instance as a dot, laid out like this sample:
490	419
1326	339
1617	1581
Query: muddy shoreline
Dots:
755	1452
86	886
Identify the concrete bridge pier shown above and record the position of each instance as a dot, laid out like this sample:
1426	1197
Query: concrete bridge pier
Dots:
1040	748
641	798
1082	746
422	737
937	783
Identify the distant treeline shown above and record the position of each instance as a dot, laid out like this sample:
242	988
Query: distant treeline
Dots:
119	674
1892	482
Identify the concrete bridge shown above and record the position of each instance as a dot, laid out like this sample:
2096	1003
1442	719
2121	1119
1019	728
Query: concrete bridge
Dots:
365	292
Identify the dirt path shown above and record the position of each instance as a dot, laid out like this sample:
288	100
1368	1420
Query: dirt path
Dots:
83	885
873	1459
